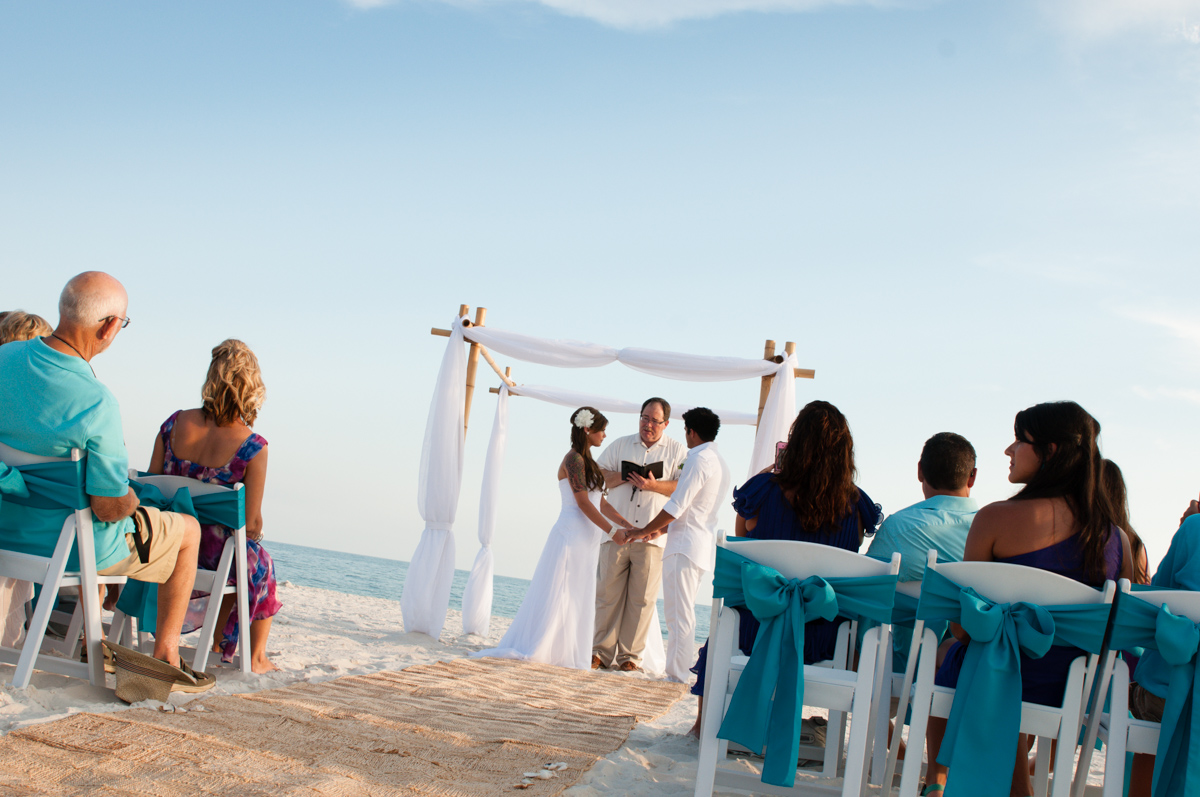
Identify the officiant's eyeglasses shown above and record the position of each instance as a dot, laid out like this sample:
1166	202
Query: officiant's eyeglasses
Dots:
652	422
124	321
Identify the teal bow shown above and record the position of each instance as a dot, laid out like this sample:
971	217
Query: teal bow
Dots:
981	734
11	483
765	711
1177	760
225	508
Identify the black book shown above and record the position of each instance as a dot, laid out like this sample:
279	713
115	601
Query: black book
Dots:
645	471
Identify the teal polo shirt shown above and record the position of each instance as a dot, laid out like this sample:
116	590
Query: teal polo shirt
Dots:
940	523
1179	569
50	403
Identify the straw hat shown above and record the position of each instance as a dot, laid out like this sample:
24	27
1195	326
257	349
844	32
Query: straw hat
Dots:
142	677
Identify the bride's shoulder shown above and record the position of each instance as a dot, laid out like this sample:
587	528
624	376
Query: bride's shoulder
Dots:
572	456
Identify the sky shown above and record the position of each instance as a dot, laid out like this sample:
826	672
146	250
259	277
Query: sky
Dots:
955	209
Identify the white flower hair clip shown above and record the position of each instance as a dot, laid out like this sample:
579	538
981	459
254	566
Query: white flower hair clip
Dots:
584	419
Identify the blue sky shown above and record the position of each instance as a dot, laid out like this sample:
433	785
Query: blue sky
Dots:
957	209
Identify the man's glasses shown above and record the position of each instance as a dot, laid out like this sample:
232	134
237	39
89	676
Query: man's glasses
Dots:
124	321
648	420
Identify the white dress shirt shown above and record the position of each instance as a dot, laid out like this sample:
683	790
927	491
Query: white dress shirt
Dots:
639	507
702	487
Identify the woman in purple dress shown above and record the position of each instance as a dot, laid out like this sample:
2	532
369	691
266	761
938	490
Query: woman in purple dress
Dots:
1062	521
215	443
813	498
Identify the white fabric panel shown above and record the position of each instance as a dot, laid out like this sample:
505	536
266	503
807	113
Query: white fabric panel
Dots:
574	398
693	367
426	595
578	354
477	597
559	353
778	414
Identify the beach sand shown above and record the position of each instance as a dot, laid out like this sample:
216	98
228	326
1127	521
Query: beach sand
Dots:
321	635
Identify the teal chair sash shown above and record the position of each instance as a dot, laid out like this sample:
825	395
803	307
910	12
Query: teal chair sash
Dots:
226	508
981	733
54	487
45	485
765	710
1138	623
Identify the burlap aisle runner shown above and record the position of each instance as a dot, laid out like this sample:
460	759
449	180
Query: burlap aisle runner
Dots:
464	727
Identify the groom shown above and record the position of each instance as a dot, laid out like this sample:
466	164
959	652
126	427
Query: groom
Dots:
689	520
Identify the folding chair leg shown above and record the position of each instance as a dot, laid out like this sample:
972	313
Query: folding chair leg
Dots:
920	715
858	755
1041	773
212	614
243	601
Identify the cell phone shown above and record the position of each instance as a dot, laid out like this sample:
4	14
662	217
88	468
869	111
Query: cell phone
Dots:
780	447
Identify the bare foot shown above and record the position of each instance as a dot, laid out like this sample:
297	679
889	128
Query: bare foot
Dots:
695	731
263	666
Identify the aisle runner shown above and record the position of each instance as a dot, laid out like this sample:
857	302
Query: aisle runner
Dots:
463	727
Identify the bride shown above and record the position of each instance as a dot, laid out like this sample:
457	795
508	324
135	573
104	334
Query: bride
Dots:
554	623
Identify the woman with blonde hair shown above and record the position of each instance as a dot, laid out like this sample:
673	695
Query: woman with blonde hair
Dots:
18	325
216	443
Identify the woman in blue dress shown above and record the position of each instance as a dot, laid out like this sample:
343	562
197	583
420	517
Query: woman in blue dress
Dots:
813	498
1062	521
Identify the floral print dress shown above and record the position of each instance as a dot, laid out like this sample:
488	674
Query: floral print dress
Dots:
259	566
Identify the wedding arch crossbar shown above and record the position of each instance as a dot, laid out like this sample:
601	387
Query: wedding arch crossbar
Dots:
425	599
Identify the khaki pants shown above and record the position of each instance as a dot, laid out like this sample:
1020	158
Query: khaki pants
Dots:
626	593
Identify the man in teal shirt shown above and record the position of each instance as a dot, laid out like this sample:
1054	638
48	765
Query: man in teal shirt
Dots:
52	402
946	471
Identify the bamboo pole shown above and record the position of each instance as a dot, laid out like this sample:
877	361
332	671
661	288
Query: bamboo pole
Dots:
472	365
765	389
507	377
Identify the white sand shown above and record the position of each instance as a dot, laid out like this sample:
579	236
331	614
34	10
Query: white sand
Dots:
321	635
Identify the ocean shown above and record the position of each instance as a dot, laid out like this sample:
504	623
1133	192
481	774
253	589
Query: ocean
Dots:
376	577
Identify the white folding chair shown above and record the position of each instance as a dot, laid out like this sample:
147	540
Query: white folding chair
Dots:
831	685
51	572
1121	733
213	582
1008	583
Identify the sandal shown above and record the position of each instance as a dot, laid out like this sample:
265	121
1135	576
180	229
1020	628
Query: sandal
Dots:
203	681
933	788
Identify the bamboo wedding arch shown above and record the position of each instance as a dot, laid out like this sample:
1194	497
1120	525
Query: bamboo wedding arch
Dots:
425	599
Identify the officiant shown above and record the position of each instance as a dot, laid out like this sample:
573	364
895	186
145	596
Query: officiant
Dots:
640	471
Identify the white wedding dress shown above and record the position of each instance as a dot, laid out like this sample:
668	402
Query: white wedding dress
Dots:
555	622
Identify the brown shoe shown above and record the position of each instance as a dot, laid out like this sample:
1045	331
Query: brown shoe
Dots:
629	666
596	663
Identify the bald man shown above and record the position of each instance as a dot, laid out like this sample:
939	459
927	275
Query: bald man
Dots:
52	402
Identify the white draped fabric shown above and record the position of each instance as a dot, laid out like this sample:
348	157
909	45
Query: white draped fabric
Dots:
577	354
477	597
778	414
426	595
575	398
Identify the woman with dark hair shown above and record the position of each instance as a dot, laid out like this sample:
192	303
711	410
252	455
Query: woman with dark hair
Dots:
1118	498
555	621
813	498
1061	521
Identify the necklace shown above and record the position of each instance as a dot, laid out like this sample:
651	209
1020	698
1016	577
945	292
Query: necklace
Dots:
77	351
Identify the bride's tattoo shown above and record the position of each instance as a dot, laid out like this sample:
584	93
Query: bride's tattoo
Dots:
576	473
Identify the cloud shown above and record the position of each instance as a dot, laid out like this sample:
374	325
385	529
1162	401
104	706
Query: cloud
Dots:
1083	270
1176	393
1185	328
644	14
1101	19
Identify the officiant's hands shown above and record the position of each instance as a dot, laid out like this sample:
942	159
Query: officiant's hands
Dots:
642	483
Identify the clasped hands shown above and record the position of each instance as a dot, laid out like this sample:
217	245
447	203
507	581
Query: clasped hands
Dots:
634	534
